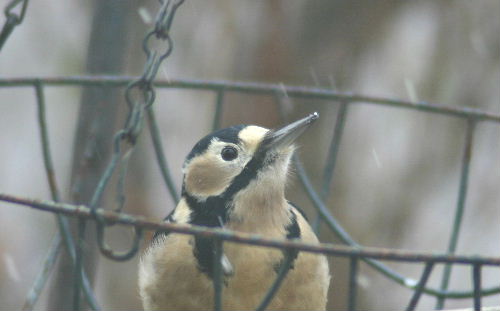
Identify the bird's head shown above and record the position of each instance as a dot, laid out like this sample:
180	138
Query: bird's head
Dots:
243	157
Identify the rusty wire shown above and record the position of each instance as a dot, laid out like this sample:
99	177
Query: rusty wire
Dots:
355	252
85	212
140	95
469	115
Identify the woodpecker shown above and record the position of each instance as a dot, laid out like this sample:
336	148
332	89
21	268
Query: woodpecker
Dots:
235	178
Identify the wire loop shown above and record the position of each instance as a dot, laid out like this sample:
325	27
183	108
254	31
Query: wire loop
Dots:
17	17
111	254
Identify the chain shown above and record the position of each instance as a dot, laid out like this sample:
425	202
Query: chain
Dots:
140	96
12	18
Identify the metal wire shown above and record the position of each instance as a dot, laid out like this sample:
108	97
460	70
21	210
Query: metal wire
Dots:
476	281
129	133
332	158
353	286
160	155
260	88
13	18
464	113
43	275
459	211
347	239
140	95
280	277
136	221
62	222
219	101
83	212
217	277
467	114
420	286
133	126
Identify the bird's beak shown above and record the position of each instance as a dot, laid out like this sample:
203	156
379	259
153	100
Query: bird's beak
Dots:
285	136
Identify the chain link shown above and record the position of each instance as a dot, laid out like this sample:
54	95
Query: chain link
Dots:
139	95
12	18
144	85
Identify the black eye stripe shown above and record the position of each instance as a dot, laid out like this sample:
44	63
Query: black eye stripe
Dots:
229	153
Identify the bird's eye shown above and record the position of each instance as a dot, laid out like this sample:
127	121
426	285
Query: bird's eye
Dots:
229	153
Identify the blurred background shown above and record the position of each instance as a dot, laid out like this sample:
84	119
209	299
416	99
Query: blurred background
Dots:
397	173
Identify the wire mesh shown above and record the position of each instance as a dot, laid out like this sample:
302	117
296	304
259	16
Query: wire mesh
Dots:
355	251
140	96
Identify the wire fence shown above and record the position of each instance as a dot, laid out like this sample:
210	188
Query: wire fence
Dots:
140	96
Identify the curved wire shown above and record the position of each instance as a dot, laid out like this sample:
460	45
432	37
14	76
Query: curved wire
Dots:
282	273
347	239
459	211
62	222
160	155
111	254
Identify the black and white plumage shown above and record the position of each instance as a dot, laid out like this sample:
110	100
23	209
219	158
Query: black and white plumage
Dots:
236	178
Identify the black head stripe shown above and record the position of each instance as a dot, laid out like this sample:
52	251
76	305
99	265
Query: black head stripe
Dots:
248	174
229	135
214	211
300	210
251	169
210	213
204	254
292	232
293	229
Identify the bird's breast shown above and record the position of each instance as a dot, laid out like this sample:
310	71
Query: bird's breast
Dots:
171	279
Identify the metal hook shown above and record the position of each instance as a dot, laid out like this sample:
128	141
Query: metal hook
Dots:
111	254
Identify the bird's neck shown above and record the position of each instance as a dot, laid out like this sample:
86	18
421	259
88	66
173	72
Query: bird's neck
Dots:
261	204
